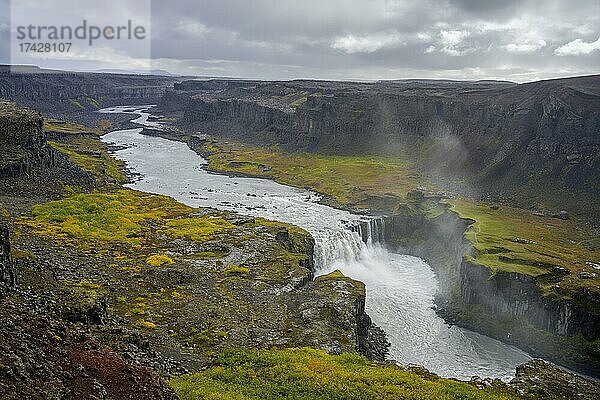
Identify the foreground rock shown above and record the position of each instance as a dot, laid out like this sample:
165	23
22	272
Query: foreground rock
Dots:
540	379
45	359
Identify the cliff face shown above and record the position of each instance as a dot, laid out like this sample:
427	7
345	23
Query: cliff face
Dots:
334	304
518	296
506	140
23	141
49	85
74	96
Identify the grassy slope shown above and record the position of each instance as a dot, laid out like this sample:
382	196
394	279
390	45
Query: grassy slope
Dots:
350	180
515	240
90	155
71	128
312	374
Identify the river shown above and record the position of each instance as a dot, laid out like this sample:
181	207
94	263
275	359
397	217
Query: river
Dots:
400	288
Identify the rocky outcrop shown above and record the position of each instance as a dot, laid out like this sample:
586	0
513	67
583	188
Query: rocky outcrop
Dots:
335	304
7	271
541	380
518	296
43	358
23	141
26	157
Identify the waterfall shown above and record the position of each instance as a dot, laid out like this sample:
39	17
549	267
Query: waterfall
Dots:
336	247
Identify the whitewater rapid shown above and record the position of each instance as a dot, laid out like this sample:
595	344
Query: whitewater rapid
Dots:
400	288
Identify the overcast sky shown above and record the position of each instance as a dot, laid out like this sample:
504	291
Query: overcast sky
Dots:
335	39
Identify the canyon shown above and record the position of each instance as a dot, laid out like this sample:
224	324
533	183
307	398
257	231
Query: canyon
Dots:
533	146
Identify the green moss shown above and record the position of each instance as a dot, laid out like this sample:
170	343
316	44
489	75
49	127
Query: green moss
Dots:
73	128
515	240
4	214
335	274
19	254
328	284
145	324
294	231
137	311
80	300
198	229
91	155
211	254
89	219
200	338
347	179
76	103
236	270
94	102
309	374
157	260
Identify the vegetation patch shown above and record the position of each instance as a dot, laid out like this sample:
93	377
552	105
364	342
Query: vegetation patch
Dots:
91	155
72	128
124	217
145	324
347	179
76	103
515	240
199	229
157	260
236	270
310	374
20	254
4	212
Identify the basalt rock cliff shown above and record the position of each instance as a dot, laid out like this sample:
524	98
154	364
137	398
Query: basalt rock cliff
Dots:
23	141
75	95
